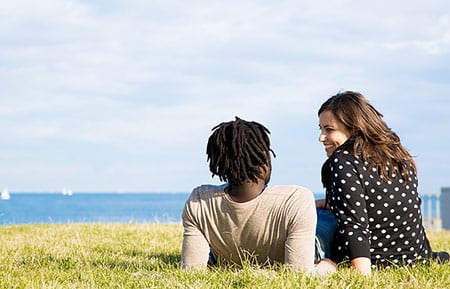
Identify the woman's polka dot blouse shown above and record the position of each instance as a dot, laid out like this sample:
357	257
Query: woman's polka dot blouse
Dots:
376	219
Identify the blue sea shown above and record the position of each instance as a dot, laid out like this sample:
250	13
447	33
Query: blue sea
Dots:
49	208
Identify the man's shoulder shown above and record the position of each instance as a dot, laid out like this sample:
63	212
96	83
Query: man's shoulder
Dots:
288	188
288	191
207	191
293	200
208	187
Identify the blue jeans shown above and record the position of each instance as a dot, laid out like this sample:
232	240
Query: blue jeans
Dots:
325	231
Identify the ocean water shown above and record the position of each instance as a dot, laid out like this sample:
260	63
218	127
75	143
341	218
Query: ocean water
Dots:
48	208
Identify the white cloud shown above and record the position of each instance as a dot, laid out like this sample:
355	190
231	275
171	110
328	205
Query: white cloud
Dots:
101	79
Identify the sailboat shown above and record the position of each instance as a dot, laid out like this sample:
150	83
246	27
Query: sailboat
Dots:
67	192
5	194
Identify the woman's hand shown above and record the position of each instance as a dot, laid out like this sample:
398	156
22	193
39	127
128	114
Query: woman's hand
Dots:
362	265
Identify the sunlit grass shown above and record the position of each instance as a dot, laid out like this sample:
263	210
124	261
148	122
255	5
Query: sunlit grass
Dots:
147	256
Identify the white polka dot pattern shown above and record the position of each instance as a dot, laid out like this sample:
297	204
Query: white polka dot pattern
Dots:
377	219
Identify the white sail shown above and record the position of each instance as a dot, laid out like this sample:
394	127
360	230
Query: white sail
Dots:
5	194
67	192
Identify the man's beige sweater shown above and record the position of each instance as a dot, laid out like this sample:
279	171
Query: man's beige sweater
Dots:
278	226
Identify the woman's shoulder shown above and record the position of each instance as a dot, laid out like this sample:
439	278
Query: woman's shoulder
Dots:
346	159
343	155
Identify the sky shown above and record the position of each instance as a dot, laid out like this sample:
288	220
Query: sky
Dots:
121	95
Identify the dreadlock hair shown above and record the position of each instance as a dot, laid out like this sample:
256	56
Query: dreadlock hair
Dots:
237	150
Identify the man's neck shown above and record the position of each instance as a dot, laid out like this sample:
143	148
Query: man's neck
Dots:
246	191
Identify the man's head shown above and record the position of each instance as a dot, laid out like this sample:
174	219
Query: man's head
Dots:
239	151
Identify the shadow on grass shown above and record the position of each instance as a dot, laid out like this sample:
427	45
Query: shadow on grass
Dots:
167	259
139	261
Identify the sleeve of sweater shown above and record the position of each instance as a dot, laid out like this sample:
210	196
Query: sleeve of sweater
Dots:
195	248
349	206
300	242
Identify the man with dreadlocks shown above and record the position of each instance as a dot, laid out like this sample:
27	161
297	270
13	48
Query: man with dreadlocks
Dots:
244	220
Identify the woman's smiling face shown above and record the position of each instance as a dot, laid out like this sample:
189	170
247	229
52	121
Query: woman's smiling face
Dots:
332	132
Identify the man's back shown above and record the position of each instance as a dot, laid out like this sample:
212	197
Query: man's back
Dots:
277	226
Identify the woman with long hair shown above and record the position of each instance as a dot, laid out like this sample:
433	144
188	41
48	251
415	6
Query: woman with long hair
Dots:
371	188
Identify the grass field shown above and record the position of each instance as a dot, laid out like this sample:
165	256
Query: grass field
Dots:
147	256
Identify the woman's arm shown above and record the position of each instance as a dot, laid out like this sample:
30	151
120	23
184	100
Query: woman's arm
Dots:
348	202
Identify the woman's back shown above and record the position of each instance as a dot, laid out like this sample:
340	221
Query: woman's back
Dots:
381	216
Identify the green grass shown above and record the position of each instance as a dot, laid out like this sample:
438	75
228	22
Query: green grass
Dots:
147	256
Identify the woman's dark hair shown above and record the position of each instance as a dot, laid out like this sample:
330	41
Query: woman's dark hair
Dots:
237	150
374	141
